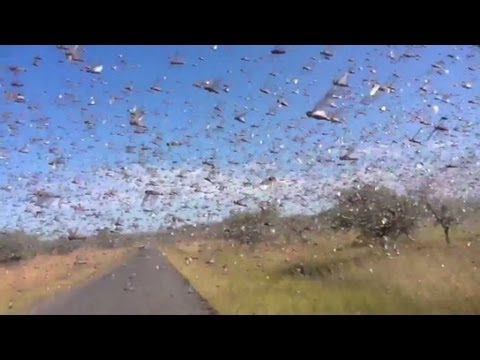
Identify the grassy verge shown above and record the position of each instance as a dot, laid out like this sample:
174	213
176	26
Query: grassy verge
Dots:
428	277
26	283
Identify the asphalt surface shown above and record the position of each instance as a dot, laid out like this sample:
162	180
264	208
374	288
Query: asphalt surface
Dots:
146	284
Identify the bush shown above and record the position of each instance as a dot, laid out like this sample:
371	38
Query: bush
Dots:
298	227
62	246
252	227
104	239
16	246
377	212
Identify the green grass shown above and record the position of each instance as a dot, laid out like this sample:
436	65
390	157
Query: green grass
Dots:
428	278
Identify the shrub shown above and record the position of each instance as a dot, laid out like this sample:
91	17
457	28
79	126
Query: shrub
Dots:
252	227
298	227
17	246
104	239
62	246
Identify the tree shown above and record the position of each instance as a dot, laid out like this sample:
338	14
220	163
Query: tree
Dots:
377	212
442	213
443	217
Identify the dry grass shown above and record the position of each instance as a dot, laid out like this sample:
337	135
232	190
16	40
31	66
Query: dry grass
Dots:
24	284
428	277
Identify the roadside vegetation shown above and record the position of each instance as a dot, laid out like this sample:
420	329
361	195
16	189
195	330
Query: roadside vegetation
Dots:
374	252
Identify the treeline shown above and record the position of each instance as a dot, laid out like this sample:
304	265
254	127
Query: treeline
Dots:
379	214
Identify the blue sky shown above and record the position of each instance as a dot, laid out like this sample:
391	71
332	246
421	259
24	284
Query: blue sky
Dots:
184	113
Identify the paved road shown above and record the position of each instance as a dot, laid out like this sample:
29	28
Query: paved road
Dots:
146	285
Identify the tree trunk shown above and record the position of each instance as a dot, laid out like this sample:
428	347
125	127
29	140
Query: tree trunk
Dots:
446	230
